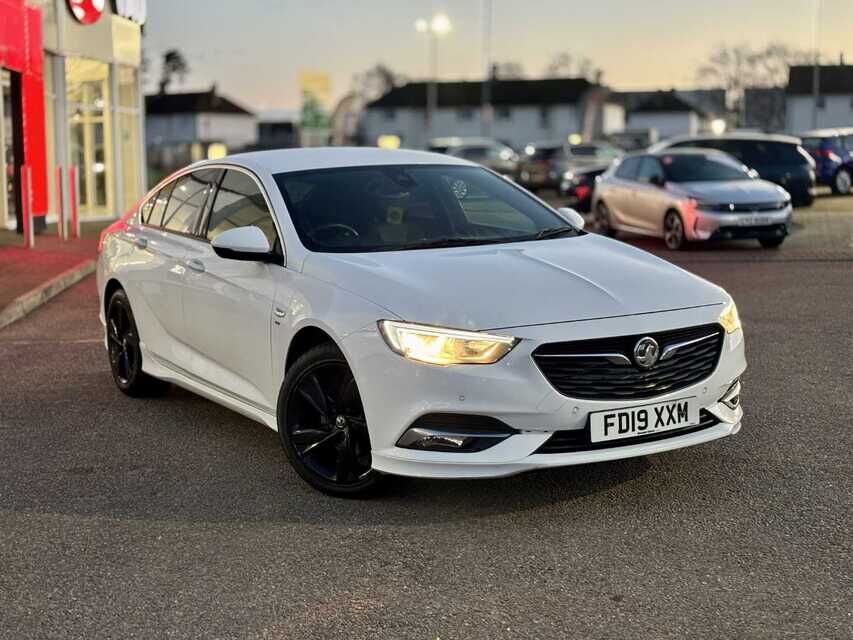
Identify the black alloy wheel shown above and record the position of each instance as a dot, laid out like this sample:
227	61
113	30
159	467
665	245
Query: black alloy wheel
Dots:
124	352
322	425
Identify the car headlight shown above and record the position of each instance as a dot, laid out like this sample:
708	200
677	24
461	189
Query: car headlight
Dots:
729	318
434	345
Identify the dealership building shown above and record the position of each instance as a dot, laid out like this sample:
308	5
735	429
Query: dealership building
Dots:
72	113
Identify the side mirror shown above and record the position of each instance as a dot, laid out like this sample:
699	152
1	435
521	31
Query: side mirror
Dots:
657	180
243	243
572	217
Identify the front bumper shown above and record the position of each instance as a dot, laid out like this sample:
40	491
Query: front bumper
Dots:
708	225
396	392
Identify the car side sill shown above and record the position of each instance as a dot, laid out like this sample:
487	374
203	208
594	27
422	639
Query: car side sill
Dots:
166	370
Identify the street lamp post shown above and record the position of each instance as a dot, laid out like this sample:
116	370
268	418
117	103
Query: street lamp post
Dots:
434	28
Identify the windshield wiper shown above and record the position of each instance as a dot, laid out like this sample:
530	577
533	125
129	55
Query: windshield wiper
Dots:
437	243
554	232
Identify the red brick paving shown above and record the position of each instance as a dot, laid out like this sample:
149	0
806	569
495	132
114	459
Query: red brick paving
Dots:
22	270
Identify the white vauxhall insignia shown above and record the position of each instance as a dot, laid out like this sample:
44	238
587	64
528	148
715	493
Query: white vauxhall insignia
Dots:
398	312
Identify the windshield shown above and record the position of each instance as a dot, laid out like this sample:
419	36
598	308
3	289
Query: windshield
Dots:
390	208
701	168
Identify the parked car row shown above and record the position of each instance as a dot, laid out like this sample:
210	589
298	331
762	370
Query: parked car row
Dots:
684	189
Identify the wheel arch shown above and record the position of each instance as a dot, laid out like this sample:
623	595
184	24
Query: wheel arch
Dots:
110	288
305	339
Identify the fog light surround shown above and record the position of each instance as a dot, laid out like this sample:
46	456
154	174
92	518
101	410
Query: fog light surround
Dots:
731	398
454	433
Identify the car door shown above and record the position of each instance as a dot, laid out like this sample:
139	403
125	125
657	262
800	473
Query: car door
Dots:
155	277
228	303
650	197
619	191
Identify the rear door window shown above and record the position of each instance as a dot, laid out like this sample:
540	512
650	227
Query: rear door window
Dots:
628	168
153	214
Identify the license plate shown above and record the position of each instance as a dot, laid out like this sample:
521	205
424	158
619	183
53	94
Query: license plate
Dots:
616	424
754	221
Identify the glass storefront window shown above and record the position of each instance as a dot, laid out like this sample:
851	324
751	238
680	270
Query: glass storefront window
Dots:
129	132
90	134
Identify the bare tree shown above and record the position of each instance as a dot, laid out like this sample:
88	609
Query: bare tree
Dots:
376	82
736	67
174	64
564	65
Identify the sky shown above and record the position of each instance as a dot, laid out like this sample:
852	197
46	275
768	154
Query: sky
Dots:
254	50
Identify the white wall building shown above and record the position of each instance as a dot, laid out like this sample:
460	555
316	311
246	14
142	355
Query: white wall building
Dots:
522	111
835	98
184	127
667	114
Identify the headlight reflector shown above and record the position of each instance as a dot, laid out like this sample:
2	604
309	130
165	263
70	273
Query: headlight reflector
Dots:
729	318
435	345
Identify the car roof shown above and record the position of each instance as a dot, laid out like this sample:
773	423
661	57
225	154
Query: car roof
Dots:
827	133
735	135
306	159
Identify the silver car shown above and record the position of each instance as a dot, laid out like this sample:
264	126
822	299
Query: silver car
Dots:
688	195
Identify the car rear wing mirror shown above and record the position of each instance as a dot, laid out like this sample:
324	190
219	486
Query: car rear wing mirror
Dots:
572	217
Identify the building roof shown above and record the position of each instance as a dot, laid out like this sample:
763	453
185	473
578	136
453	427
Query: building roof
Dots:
666	102
503	93
834	79
193	102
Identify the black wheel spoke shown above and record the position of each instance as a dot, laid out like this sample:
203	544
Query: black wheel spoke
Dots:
312	392
345	463
312	448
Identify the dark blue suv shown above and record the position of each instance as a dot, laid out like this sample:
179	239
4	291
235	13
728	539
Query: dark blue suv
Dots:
832	150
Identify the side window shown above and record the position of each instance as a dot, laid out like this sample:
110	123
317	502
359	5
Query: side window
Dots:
240	203
189	197
158	206
650	171
628	168
848	143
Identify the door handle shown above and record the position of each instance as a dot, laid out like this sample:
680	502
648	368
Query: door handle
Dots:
196	265
141	243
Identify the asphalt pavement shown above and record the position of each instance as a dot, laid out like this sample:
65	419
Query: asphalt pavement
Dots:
177	518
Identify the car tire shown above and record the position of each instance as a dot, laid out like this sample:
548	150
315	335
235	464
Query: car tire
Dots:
124	351
601	220
322	426
673	231
772	243
843	182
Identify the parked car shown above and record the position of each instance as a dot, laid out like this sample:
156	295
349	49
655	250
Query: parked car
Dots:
401	312
543	164
490	153
578	187
684	195
832	150
779	159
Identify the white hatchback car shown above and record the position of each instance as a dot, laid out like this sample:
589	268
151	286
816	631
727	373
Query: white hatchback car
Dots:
411	313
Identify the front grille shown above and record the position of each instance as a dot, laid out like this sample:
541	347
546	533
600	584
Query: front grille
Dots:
749	207
578	439
604	368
